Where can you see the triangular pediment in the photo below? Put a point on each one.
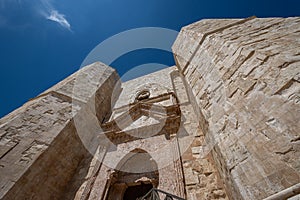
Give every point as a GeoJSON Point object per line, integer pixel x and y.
{"type": "Point", "coordinates": [144, 116]}
{"type": "Point", "coordinates": [143, 120]}
{"type": "Point", "coordinates": [147, 112]}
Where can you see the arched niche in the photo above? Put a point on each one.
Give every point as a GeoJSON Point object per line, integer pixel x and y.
{"type": "Point", "coordinates": [134, 176]}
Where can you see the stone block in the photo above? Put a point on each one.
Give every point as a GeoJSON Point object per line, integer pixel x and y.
{"type": "Point", "coordinates": [190, 177]}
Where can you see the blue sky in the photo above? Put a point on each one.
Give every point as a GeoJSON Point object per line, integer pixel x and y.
{"type": "Point", "coordinates": [44, 41]}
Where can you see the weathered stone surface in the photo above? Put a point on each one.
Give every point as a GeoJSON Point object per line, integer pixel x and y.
{"type": "Point", "coordinates": [165, 152]}
{"type": "Point", "coordinates": [244, 76]}
{"type": "Point", "coordinates": [226, 115]}
{"type": "Point", "coordinates": [40, 146]}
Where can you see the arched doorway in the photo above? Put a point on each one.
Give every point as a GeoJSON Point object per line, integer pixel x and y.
{"type": "Point", "coordinates": [134, 192]}
{"type": "Point", "coordinates": [135, 175]}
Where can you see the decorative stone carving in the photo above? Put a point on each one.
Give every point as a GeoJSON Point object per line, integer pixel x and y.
{"type": "Point", "coordinates": [225, 117]}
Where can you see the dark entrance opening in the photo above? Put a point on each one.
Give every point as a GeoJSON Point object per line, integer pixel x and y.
{"type": "Point", "coordinates": [134, 192]}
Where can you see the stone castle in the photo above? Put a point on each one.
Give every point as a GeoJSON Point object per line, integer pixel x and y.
{"type": "Point", "coordinates": [221, 124]}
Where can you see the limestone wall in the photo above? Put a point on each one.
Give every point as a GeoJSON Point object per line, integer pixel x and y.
{"type": "Point", "coordinates": [201, 179]}
{"type": "Point", "coordinates": [237, 84]}
{"type": "Point", "coordinates": [244, 76]}
{"type": "Point", "coordinates": [40, 143]}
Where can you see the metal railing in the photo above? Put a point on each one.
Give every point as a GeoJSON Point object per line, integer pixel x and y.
{"type": "Point", "coordinates": [153, 194]}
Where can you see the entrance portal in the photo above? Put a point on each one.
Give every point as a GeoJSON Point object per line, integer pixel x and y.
{"type": "Point", "coordinates": [134, 192]}
{"type": "Point", "coordinates": [135, 175]}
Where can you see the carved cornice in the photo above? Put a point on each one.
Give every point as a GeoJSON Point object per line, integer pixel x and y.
{"type": "Point", "coordinates": [169, 116]}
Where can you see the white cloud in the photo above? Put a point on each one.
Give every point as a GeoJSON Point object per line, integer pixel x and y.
{"type": "Point", "coordinates": [59, 18]}
{"type": "Point", "coordinates": [43, 7]}
{"type": "Point", "coordinates": [50, 13]}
